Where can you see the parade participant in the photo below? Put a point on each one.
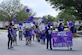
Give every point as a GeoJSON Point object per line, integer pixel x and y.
{"type": "Point", "coordinates": [42, 37]}
{"type": "Point", "coordinates": [27, 36]}
{"type": "Point", "coordinates": [48, 35]}
{"type": "Point", "coordinates": [33, 34]}
{"type": "Point", "coordinates": [33, 28]}
{"type": "Point", "coordinates": [28, 32]}
{"type": "Point", "coordinates": [20, 28]}
{"type": "Point", "coordinates": [72, 28]}
{"type": "Point", "coordinates": [15, 36]}
{"type": "Point", "coordinates": [10, 35]}
{"type": "Point", "coordinates": [24, 29]}
{"type": "Point", "coordinates": [60, 27]}
{"type": "Point", "coordinates": [37, 33]}
{"type": "Point", "coordinates": [30, 35]}
{"type": "Point", "coordinates": [42, 28]}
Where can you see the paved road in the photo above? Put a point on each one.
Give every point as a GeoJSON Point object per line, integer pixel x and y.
{"type": "Point", "coordinates": [36, 48]}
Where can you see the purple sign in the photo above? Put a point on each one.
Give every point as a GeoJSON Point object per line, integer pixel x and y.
{"type": "Point", "coordinates": [62, 39]}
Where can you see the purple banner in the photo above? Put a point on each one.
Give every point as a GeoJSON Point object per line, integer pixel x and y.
{"type": "Point", "coordinates": [62, 39]}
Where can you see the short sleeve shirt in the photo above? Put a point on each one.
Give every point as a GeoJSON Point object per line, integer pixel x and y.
{"type": "Point", "coordinates": [9, 30]}
{"type": "Point", "coordinates": [61, 28]}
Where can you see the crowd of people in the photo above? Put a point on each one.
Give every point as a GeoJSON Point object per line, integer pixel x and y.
{"type": "Point", "coordinates": [31, 31]}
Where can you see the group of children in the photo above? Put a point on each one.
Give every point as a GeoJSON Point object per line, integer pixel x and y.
{"type": "Point", "coordinates": [39, 31]}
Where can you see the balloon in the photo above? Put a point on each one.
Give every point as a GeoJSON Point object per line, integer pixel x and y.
{"type": "Point", "coordinates": [35, 31]}
{"type": "Point", "coordinates": [34, 22]}
{"type": "Point", "coordinates": [14, 20]}
{"type": "Point", "coordinates": [42, 21]}
{"type": "Point", "coordinates": [70, 23]}
{"type": "Point", "coordinates": [46, 28]}
{"type": "Point", "coordinates": [49, 23]}
{"type": "Point", "coordinates": [60, 20]}
{"type": "Point", "coordinates": [20, 23]}
{"type": "Point", "coordinates": [27, 10]}
{"type": "Point", "coordinates": [31, 18]}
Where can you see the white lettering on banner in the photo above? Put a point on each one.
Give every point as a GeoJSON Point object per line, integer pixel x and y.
{"type": "Point", "coordinates": [60, 44]}
{"type": "Point", "coordinates": [63, 33]}
{"type": "Point", "coordinates": [55, 39]}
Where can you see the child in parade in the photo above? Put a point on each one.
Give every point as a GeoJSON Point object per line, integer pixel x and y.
{"type": "Point", "coordinates": [20, 28]}
{"type": "Point", "coordinates": [15, 36]}
{"type": "Point", "coordinates": [10, 35]}
{"type": "Point", "coordinates": [48, 36]}
{"type": "Point", "coordinates": [37, 34]}
{"type": "Point", "coordinates": [28, 36]}
{"type": "Point", "coordinates": [33, 34]}
{"type": "Point", "coordinates": [42, 37]}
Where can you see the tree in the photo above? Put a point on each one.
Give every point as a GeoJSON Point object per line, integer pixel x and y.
{"type": "Point", "coordinates": [23, 15]}
{"type": "Point", "coordinates": [74, 5]}
{"type": "Point", "coordinates": [48, 18]}
{"type": "Point", "coordinates": [66, 16]}
{"type": "Point", "coordinates": [10, 8]}
{"type": "Point", "coordinates": [13, 9]}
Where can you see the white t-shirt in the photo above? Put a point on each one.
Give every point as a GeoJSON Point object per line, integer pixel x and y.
{"type": "Point", "coordinates": [27, 25]}
{"type": "Point", "coordinates": [50, 31]}
{"type": "Point", "coordinates": [20, 28]}
{"type": "Point", "coordinates": [42, 27]}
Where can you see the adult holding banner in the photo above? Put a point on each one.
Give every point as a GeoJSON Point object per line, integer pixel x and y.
{"type": "Point", "coordinates": [62, 38]}
{"type": "Point", "coordinates": [61, 27]}
{"type": "Point", "coordinates": [48, 35]}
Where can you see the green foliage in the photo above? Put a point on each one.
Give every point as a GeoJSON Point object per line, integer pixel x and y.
{"type": "Point", "coordinates": [48, 18]}
{"type": "Point", "coordinates": [66, 16]}
{"type": "Point", "coordinates": [11, 9]}
{"type": "Point", "coordinates": [23, 15]}
{"type": "Point", "coordinates": [74, 5]}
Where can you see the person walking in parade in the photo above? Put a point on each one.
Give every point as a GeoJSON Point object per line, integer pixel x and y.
{"type": "Point", "coordinates": [10, 36]}
{"type": "Point", "coordinates": [15, 36]}
{"type": "Point", "coordinates": [33, 34]}
{"type": "Point", "coordinates": [42, 37]}
{"type": "Point", "coordinates": [37, 33]}
{"type": "Point", "coordinates": [72, 28]}
{"type": "Point", "coordinates": [48, 35]}
{"type": "Point", "coordinates": [20, 28]}
{"type": "Point", "coordinates": [27, 36]}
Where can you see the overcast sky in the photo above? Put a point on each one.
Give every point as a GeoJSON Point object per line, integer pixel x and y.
{"type": "Point", "coordinates": [40, 7]}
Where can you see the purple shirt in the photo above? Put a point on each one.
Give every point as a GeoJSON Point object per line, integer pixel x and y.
{"type": "Point", "coordinates": [9, 30]}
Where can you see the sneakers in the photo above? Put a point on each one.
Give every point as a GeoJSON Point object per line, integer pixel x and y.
{"type": "Point", "coordinates": [11, 47]}
{"type": "Point", "coordinates": [8, 48]}
{"type": "Point", "coordinates": [27, 43]}
{"type": "Point", "coordinates": [50, 48]}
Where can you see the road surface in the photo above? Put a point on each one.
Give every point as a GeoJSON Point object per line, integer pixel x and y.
{"type": "Point", "coordinates": [36, 48]}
